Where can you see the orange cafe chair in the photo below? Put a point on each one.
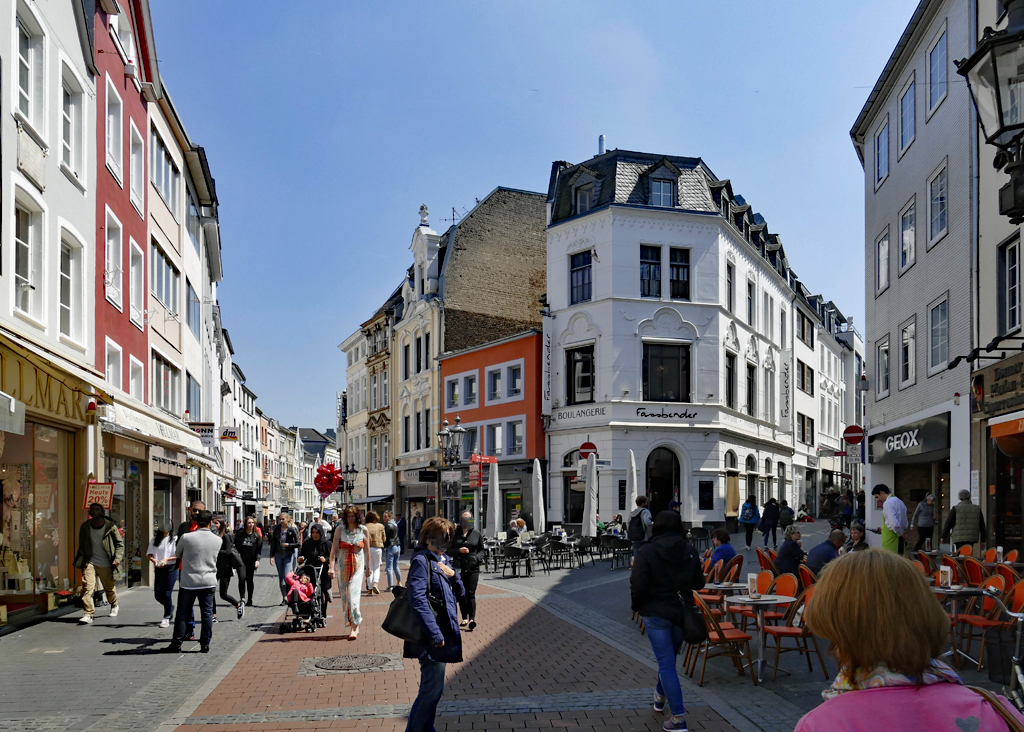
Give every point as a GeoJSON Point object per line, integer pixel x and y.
{"type": "Point", "coordinates": [1011, 556]}
{"type": "Point", "coordinates": [975, 571]}
{"type": "Point", "coordinates": [990, 556]}
{"type": "Point", "coordinates": [966, 550]}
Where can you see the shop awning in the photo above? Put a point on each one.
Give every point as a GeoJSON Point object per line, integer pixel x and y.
{"type": "Point", "coordinates": [374, 499]}
{"type": "Point", "coordinates": [148, 425]}
{"type": "Point", "coordinates": [1008, 432]}
{"type": "Point", "coordinates": [207, 463]}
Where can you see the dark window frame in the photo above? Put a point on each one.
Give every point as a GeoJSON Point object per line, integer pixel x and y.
{"type": "Point", "coordinates": [650, 271]}
{"type": "Point", "coordinates": [679, 273]}
{"type": "Point", "coordinates": [655, 354]}
{"type": "Point", "coordinates": [584, 355]}
{"type": "Point", "coordinates": [580, 280]}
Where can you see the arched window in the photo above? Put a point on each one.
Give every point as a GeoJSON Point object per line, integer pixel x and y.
{"type": "Point", "coordinates": [662, 473]}
{"type": "Point", "coordinates": [730, 460]}
{"type": "Point", "coordinates": [751, 464]}
{"type": "Point", "coordinates": [767, 466]}
{"type": "Point", "coordinates": [570, 459]}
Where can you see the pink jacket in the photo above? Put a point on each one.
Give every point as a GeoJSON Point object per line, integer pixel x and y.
{"type": "Point", "coordinates": [936, 708]}
{"type": "Point", "coordinates": [305, 591]}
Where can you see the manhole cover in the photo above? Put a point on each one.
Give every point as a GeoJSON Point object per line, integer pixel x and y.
{"type": "Point", "coordinates": [353, 663]}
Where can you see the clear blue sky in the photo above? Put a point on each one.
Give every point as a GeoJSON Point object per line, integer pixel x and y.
{"type": "Point", "coordinates": [327, 124]}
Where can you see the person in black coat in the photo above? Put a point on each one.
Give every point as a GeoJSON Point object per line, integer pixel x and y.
{"type": "Point", "coordinates": [316, 552]}
{"type": "Point", "coordinates": [467, 552]}
{"type": "Point", "coordinates": [665, 574]}
{"type": "Point", "coordinates": [402, 533]}
{"type": "Point", "coordinates": [770, 522]}
{"type": "Point", "coordinates": [249, 544]}
{"type": "Point", "coordinates": [226, 566]}
{"type": "Point", "coordinates": [790, 555]}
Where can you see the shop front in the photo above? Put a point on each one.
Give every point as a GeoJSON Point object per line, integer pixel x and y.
{"type": "Point", "coordinates": [42, 477]}
{"type": "Point", "coordinates": [124, 462]}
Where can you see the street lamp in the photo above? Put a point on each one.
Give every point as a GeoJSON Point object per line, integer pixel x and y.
{"type": "Point", "coordinates": [995, 79]}
{"type": "Point", "coordinates": [450, 439]}
{"type": "Point", "coordinates": [350, 473]}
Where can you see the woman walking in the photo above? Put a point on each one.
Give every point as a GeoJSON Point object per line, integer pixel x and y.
{"type": "Point", "coordinates": [466, 552]}
{"type": "Point", "coordinates": [350, 560]}
{"type": "Point", "coordinates": [161, 554]}
{"type": "Point", "coordinates": [749, 517]}
{"type": "Point", "coordinates": [444, 588]}
{"type": "Point", "coordinates": [284, 543]}
{"type": "Point", "coordinates": [392, 551]}
{"type": "Point", "coordinates": [924, 520]}
{"type": "Point", "coordinates": [770, 522]}
{"type": "Point", "coordinates": [314, 553]}
{"type": "Point", "coordinates": [376, 535]}
{"type": "Point", "coordinates": [665, 574]}
{"type": "Point", "coordinates": [249, 544]}
{"type": "Point", "coordinates": [226, 562]}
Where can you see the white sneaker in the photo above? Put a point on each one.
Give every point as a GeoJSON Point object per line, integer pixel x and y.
{"type": "Point", "coordinates": [85, 620]}
{"type": "Point", "coordinates": [165, 623]}
{"type": "Point", "coordinates": [113, 612]}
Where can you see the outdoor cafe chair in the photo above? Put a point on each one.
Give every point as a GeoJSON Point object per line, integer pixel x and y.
{"type": "Point", "coordinates": [798, 632]}
{"type": "Point", "coordinates": [733, 643]}
{"type": "Point", "coordinates": [807, 577]}
{"type": "Point", "coordinates": [561, 553]}
{"type": "Point", "coordinates": [762, 557]}
{"type": "Point", "coordinates": [700, 537]}
{"type": "Point", "coordinates": [919, 566]}
{"type": "Point", "coordinates": [772, 554]}
{"type": "Point", "coordinates": [784, 585]}
{"type": "Point", "coordinates": [1011, 556]}
{"type": "Point", "coordinates": [975, 571]}
{"type": "Point", "coordinates": [622, 551]}
{"type": "Point", "coordinates": [584, 549]}
{"type": "Point", "coordinates": [948, 561]}
{"type": "Point", "coordinates": [513, 556]}
{"type": "Point", "coordinates": [929, 565]}
{"type": "Point", "coordinates": [707, 554]}
{"type": "Point", "coordinates": [605, 545]}
{"type": "Point", "coordinates": [1008, 573]}
{"type": "Point", "coordinates": [990, 556]}
{"type": "Point", "coordinates": [987, 618]}
{"type": "Point", "coordinates": [733, 568]}
{"type": "Point", "coordinates": [966, 550]}
{"type": "Point", "coordinates": [542, 552]}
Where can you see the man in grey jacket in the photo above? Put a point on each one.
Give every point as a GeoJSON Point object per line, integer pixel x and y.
{"type": "Point", "coordinates": [197, 552]}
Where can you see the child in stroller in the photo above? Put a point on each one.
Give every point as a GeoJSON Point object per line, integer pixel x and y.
{"type": "Point", "coordinates": [304, 601]}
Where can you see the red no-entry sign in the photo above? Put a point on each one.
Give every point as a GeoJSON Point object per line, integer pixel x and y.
{"type": "Point", "coordinates": [854, 434]}
{"type": "Point", "coordinates": [587, 449]}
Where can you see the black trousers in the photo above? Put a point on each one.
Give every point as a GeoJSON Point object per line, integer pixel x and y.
{"type": "Point", "coordinates": [775, 536]}
{"type": "Point", "coordinates": [247, 581]}
{"type": "Point", "coordinates": [749, 528]}
{"type": "Point", "coordinates": [467, 603]}
{"type": "Point", "coordinates": [225, 584]}
{"type": "Point", "coordinates": [923, 533]}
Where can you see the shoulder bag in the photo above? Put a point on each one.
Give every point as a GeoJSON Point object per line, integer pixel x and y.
{"type": "Point", "coordinates": [999, 708]}
{"type": "Point", "coordinates": [402, 620]}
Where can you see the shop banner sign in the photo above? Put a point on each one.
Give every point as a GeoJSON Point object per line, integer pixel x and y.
{"type": "Point", "coordinates": [916, 438]}
{"type": "Point", "coordinates": [998, 389]}
{"type": "Point", "coordinates": [476, 479]}
{"type": "Point", "coordinates": [101, 493]}
{"type": "Point", "coordinates": [229, 434]}
{"type": "Point", "coordinates": [786, 391]}
{"type": "Point", "coordinates": [207, 432]}
{"type": "Point", "coordinates": [451, 483]}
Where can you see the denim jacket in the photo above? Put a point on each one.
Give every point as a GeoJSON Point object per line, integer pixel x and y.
{"type": "Point", "coordinates": [446, 626]}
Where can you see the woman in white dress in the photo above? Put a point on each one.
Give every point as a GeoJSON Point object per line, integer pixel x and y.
{"type": "Point", "coordinates": [350, 561]}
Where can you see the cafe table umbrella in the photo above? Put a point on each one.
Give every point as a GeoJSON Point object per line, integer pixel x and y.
{"type": "Point", "coordinates": [590, 498]}
{"type": "Point", "coordinates": [539, 519]}
{"type": "Point", "coordinates": [631, 482]}
{"type": "Point", "coordinates": [493, 502]}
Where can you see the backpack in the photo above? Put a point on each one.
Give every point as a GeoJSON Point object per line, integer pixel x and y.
{"type": "Point", "coordinates": [635, 531]}
{"type": "Point", "coordinates": [786, 517]}
{"type": "Point", "coordinates": [748, 513]}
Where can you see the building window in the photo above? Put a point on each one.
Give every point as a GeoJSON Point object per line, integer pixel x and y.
{"type": "Point", "coordinates": [165, 279]}
{"type": "Point", "coordinates": [804, 429]}
{"type": "Point", "coordinates": [650, 271]}
{"type": "Point", "coordinates": [384, 452]}
{"type": "Point", "coordinates": [1009, 286]}
{"type": "Point", "coordinates": [804, 377]}
{"type": "Point", "coordinates": [908, 237]}
{"type": "Point", "coordinates": [679, 273]}
{"type": "Point", "coordinates": [579, 366]}
{"type": "Point", "coordinates": [937, 72]}
{"type": "Point", "coordinates": [113, 361]}
{"type": "Point", "coordinates": [666, 373]}
{"type": "Point", "coordinates": [584, 198]}
{"type": "Point", "coordinates": [493, 385]}
{"type": "Point", "coordinates": [115, 131]}
{"type": "Point", "coordinates": [426, 351]}
{"type": "Point", "coordinates": [661, 193]}
{"type": "Point", "coordinates": [30, 71]}
{"type": "Point", "coordinates": [193, 315]}
{"type": "Point", "coordinates": [782, 327]}
{"type": "Point", "coordinates": [515, 438]}
{"type": "Point", "coordinates": [193, 222]}
{"type": "Point", "coordinates": [136, 284]}
{"type": "Point", "coordinates": [882, 154]}
{"type": "Point", "coordinates": [453, 393]}
{"type": "Point", "coordinates": [67, 289]}
{"type": "Point", "coordinates": [405, 362]}
{"type": "Point", "coordinates": [751, 390]}
{"type": "Point", "coordinates": [907, 121]}
{"type": "Point", "coordinates": [163, 172]}
{"type": "Point", "coordinates": [908, 354]}
{"type": "Point", "coordinates": [193, 399]}
{"type": "Point", "coordinates": [730, 381]}
{"type": "Point", "coordinates": [937, 206]}
{"type": "Point", "coordinates": [882, 262]}
{"type": "Point", "coordinates": [494, 443]}
{"type": "Point", "coordinates": [730, 288]}
{"type": "Point", "coordinates": [515, 380]}
{"type": "Point", "coordinates": [71, 125]}
{"type": "Point", "coordinates": [804, 329]}
{"type": "Point", "coordinates": [938, 336]}
{"type": "Point", "coordinates": [469, 389]}
{"type": "Point", "coordinates": [419, 430]}
{"type": "Point", "coordinates": [406, 435]}
{"type": "Point", "coordinates": [769, 396]}
{"type": "Point", "coordinates": [579, 275]}
{"type": "Point", "coordinates": [137, 184]}
{"type": "Point", "coordinates": [136, 379]}
{"type": "Point", "coordinates": [384, 400]}
{"type": "Point", "coordinates": [751, 304]}
{"type": "Point", "coordinates": [419, 354]}
{"type": "Point", "coordinates": [471, 442]}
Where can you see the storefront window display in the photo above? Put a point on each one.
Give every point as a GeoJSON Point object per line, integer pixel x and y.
{"type": "Point", "coordinates": [35, 478]}
{"type": "Point", "coordinates": [1007, 518]}
{"type": "Point", "coordinates": [126, 512]}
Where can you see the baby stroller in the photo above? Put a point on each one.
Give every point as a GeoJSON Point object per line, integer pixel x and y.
{"type": "Point", "coordinates": [305, 615]}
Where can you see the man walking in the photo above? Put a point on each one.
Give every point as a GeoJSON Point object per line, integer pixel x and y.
{"type": "Point", "coordinates": [640, 525]}
{"type": "Point", "coordinates": [965, 524]}
{"type": "Point", "coordinates": [895, 527]}
{"type": "Point", "coordinates": [197, 551]}
{"type": "Point", "coordinates": [99, 556]}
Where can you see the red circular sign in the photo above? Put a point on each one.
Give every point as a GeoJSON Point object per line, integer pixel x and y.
{"type": "Point", "coordinates": [230, 492]}
{"type": "Point", "coordinates": [587, 449]}
{"type": "Point", "coordinates": [854, 434]}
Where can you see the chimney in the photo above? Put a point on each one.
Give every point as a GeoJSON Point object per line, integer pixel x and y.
{"type": "Point", "coordinates": [600, 144]}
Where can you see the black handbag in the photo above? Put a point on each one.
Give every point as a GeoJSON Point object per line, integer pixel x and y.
{"type": "Point", "coordinates": [402, 620]}
{"type": "Point", "coordinates": [695, 630]}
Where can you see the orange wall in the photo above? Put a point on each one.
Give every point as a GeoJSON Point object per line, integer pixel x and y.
{"type": "Point", "coordinates": [527, 348]}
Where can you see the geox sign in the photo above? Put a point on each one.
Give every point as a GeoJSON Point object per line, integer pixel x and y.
{"type": "Point", "coordinates": [918, 438]}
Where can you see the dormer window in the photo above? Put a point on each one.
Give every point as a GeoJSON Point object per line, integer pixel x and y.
{"type": "Point", "coordinates": [661, 193]}
{"type": "Point", "coordinates": [723, 204]}
{"type": "Point", "coordinates": [584, 198]}
{"type": "Point", "coordinates": [746, 229]}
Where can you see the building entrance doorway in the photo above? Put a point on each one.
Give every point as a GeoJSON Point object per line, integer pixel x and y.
{"type": "Point", "coordinates": [662, 479]}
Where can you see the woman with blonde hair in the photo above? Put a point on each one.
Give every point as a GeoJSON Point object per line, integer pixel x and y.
{"type": "Point", "coordinates": [375, 534]}
{"type": "Point", "coordinates": [350, 558]}
{"type": "Point", "coordinates": [887, 631]}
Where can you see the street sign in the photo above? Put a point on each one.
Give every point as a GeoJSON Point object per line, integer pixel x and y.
{"type": "Point", "coordinates": [853, 452]}
{"type": "Point", "coordinates": [207, 432]}
{"type": "Point", "coordinates": [586, 449]}
{"type": "Point", "coordinates": [581, 465]}
{"type": "Point", "coordinates": [854, 434]}
{"type": "Point", "coordinates": [476, 475]}
{"type": "Point", "coordinates": [230, 491]}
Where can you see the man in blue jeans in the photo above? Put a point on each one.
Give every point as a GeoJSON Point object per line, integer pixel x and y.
{"type": "Point", "coordinates": [197, 551]}
{"type": "Point", "coordinates": [284, 546]}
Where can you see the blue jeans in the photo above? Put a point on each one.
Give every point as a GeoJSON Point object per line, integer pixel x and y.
{"type": "Point", "coordinates": [391, 555]}
{"type": "Point", "coordinates": [666, 640]}
{"type": "Point", "coordinates": [164, 579]}
{"type": "Point", "coordinates": [285, 563]}
{"type": "Point", "coordinates": [421, 716]}
{"type": "Point", "coordinates": [186, 599]}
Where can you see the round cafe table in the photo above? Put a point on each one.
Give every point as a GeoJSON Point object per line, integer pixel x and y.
{"type": "Point", "coordinates": [759, 604]}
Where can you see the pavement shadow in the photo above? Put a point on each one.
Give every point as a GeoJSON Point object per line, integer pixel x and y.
{"type": "Point", "coordinates": [142, 646]}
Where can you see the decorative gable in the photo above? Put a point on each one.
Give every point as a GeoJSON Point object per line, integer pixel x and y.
{"type": "Point", "coordinates": [732, 341]}
{"type": "Point", "coordinates": [667, 323]}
